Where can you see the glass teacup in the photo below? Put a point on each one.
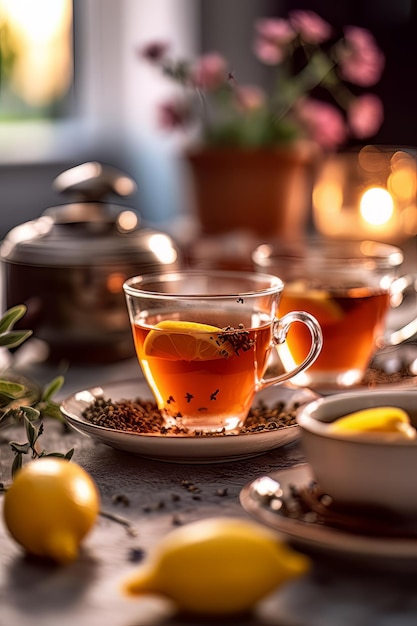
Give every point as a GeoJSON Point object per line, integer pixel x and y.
{"type": "Point", "coordinates": [350, 287]}
{"type": "Point", "coordinates": [204, 341]}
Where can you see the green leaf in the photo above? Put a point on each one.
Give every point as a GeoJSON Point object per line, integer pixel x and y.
{"type": "Point", "coordinates": [51, 410]}
{"type": "Point", "coordinates": [59, 455]}
{"type": "Point", "coordinates": [31, 432]}
{"type": "Point", "coordinates": [11, 316]}
{"type": "Point", "coordinates": [12, 339]}
{"type": "Point", "coordinates": [30, 413]}
{"type": "Point", "coordinates": [52, 388]}
{"type": "Point", "coordinates": [19, 448]}
{"type": "Point", "coordinates": [17, 464]}
{"type": "Point", "coordinates": [11, 390]}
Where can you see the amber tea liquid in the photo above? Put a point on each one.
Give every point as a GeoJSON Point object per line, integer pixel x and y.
{"type": "Point", "coordinates": [351, 319]}
{"type": "Point", "coordinates": [209, 390]}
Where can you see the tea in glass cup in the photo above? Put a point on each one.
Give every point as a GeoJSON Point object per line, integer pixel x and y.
{"type": "Point", "coordinates": [349, 287]}
{"type": "Point", "coordinates": [204, 340]}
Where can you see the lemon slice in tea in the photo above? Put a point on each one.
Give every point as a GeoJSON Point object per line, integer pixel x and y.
{"type": "Point", "coordinates": [188, 341]}
{"type": "Point", "coordinates": [317, 302]}
{"type": "Point", "coordinates": [382, 419]}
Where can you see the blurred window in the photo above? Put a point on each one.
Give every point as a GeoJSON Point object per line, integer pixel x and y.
{"type": "Point", "coordinates": [36, 59]}
{"type": "Point", "coordinates": [70, 79]}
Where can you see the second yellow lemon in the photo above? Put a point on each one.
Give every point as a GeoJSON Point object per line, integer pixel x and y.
{"type": "Point", "coordinates": [217, 566]}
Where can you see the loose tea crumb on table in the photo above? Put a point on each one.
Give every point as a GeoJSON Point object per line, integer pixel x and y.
{"type": "Point", "coordinates": [136, 555]}
{"type": "Point", "coordinates": [120, 498]}
{"type": "Point", "coordinates": [144, 417]}
{"type": "Point", "coordinates": [189, 486]}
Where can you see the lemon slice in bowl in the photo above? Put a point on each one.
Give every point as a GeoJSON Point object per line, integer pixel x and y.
{"type": "Point", "coordinates": [188, 341]}
{"type": "Point", "coordinates": [381, 419]}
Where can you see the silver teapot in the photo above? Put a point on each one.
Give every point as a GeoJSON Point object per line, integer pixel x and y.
{"type": "Point", "coordinates": [68, 266]}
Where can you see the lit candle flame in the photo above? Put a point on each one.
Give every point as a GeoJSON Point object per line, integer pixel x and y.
{"type": "Point", "coordinates": [376, 206]}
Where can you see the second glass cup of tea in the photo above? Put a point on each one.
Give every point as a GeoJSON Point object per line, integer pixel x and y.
{"type": "Point", "coordinates": [350, 287]}
{"type": "Point", "coordinates": [204, 339]}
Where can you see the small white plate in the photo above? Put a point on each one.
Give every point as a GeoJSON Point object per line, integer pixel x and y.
{"type": "Point", "coordinates": [317, 536]}
{"type": "Point", "coordinates": [386, 371]}
{"type": "Point", "coordinates": [180, 448]}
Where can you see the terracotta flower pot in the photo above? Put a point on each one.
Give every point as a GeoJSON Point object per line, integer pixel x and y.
{"type": "Point", "coordinates": [265, 191]}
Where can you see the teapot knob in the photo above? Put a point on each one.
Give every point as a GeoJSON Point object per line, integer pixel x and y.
{"type": "Point", "coordinates": [92, 181]}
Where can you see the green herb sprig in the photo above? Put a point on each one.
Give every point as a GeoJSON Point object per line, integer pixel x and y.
{"type": "Point", "coordinates": [43, 407]}
{"type": "Point", "coordinates": [21, 400]}
{"type": "Point", "coordinates": [14, 389]}
{"type": "Point", "coordinates": [31, 446]}
{"type": "Point", "coordinates": [10, 338]}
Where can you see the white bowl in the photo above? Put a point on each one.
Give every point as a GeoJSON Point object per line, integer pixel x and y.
{"type": "Point", "coordinates": [361, 471]}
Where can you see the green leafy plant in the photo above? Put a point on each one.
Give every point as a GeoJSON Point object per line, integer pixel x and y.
{"type": "Point", "coordinates": [31, 446]}
{"type": "Point", "coordinates": [12, 393]}
{"type": "Point", "coordinates": [23, 401]}
{"type": "Point", "coordinates": [19, 397]}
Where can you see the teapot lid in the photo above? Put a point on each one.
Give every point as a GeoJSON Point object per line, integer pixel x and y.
{"type": "Point", "coordinates": [89, 231]}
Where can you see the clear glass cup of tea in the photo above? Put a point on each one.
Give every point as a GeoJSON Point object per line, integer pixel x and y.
{"type": "Point", "coordinates": [204, 340]}
{"type": "Point", "coordinates": [350, 287]}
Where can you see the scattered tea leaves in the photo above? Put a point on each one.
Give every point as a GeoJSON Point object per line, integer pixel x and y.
{"type": "Point", "coordinates": [143, 417]}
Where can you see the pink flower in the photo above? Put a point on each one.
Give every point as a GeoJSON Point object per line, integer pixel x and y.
{"type": "Point", "coordinates": [272, 38]}
{"type": "Point", "coordinates": [324, 123]}
{"type": "Point", "coordinates": [365, 115]}
{"type": "Point", "coordinates": [310, 26]}
{"type": "Point", "coordinates": [361, 61]}
{"type": "Point", "coordinates": [175, 114]}
{"type": "Point", "coordinates": [307, 58]}
{"type": "Point", "coordinates": [276, 30]}
{"type": "Point", "coordinates": [210, 72]}
{"type": "Point", "coordinates": [250, 97]}
{"type": "Point", "coordinates": [154, 51]}
{"type": "Point", "coordinates": [267, 52]}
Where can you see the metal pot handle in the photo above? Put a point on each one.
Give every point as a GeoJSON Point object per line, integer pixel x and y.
{"type": "Point", "coordinates": [92, 181]}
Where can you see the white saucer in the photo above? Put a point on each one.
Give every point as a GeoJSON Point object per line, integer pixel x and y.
{"type": "Point", "coordinates": [180, 448]}
{"type": "Point", "coordinates": [389, 362]}
{"type": "Point", "coordinates": [319, 537]}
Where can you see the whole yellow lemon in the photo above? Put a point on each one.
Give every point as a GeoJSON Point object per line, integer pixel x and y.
{"type": "Point", "coordinates": [50, 507]}
{"type": "Point", "coordinates": [217, 566]}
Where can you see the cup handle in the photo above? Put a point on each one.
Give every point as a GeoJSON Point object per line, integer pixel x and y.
{"type": "Point", "coordinates": [398, 288]}
{"type": "Point", "coordinates": [281, 328]}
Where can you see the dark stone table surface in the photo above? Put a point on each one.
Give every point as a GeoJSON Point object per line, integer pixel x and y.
{"type": "Point", "coordinates": [87, 592]}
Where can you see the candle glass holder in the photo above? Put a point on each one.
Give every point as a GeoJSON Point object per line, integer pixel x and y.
{"type": "Point", "coordinates": [367, 193]}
